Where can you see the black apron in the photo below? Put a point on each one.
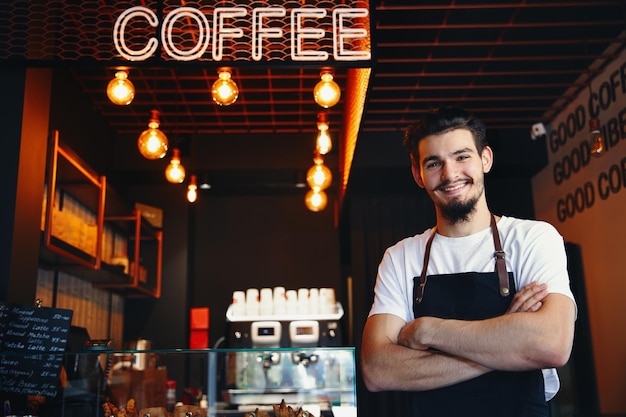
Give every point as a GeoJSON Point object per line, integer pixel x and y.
{"type": "Point", "coordinates": [475, 296]}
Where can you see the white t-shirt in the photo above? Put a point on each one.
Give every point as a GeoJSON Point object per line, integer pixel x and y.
{"type": "Point", "coordinates": [534, 251]}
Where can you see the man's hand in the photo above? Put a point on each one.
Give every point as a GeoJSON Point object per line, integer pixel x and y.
{"type": "Point", "coordinates": [528, 299]}
{"type": "Point", "coordinates": [410, 334]}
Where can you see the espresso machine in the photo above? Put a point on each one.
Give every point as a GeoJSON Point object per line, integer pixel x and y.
{"type": "Point", "coordinates": [291, 352]}
{"type": "Point", "coordinates": [284, 318]}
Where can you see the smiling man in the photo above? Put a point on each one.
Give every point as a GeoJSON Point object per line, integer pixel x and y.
{"type": "Point", "coordinates": [474, 314]}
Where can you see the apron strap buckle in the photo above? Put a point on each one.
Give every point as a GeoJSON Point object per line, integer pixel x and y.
{"type": "Point", "coordinates": [503, 276]}
{"type": "Point", "coordinates": [420, 291]}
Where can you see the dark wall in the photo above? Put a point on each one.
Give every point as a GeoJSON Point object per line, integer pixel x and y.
{"type": "Point", "coordinates": [164, 320]}
{"type": "Point", "coordinates": [245, 242]}
{"type": "Point", "coordinates": [79, 124]}
{"type": "Point", "coordinates": [11, 117]}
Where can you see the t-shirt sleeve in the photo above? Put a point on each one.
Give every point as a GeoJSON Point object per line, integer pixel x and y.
{"type": "Point", "coordinates": [390, 291]}
{"type": "Point", "coordinates": [544, 259]}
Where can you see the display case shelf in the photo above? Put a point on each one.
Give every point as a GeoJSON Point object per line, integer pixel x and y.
{"type": "Point", "coordinates": [76, 242]}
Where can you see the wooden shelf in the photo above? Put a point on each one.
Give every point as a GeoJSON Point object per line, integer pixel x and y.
{"type": "Point", "coordinates": [68, 175]}
{"type": "Point", "coordinates": [147, 245]}
{"type": "Point", "coordinates": [59, 254]}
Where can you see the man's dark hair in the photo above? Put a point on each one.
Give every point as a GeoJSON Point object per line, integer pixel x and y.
{"type": "Point", "coordinates": [440, 121]}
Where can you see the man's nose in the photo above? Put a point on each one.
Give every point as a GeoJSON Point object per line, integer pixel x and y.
{"type": "Point", "coordinates": [447, 172]}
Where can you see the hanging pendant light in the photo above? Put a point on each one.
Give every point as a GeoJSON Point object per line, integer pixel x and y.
{"type": "Point", "coordinates": [597, 141]}
{"type": "Point", "coordinates": [323, 143]}
{"type": "Point", "coordinates": [316, 200]}
{"type": "Point", "coordinates": [224, 91]}
{"type": "Point", "coordinates": [319, 176]}
{"type": "Point", "coordinates": [192, 189]}
{"type": "Point", "coordinates": [152, 142]}
{"type": "Point", "coordinates": [120, 90]}
{"type": "Point", "coordinates": [175, 172]}
{"type": "Point", "coordinates": [205, 184]}
{"type": "Point", "coordinates": [326, 92]}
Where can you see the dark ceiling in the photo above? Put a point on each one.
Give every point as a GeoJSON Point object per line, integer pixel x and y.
{"type": "Point", "coordinates": [513, 63]}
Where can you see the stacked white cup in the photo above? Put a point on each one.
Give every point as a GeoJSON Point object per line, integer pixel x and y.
{"type": "Point", "coordinates": [252, 302]}
{"type": "Point", "coordinates": [292, 302]}
{"type": "Point", "coordinates": [280, 301]}
{"type": "Point", "coordinates": [303, 301]}
{"type": "Point", "coordinates": [314, 300]}
{"type": "Point", "coordinates": [267, 302]}
{"type": "Point", "coordinates": [328, 303]}
{"type": "Point", "coordinates": [239, 303]}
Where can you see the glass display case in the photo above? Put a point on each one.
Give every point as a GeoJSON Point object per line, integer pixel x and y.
{"type": "Point", "coordinates": [179, 382]}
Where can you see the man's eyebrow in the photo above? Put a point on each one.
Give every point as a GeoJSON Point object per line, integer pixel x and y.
{"type": "Point", "coordinates": [460, 151]}
{"type": "Point", "coordinates": [437, 158]}
{"type": "Point", "coordinates": [430, 158]}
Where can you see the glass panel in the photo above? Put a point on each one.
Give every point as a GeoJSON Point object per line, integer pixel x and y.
{"type": "Point", "coordinates": [203, 382]}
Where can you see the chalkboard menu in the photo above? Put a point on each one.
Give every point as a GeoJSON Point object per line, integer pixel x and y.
{"type": "Point", "coordinates": [32, 340]}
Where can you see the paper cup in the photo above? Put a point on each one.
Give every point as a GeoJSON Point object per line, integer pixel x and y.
{"type": "Point", "coordinates": [328, 303]}
{"type": "Point", "coordinates": [252, 302]}
{"type": "Point", "coordinates": [239, 303]}
{"type": "Point", "coordinates": [267, 301]}
{"type": "Point", "coordinates": [280, 301]}
{"type": "Point", "coordinates": [303, 301]}
{"type": "Point", "coordinates": [314, 300]}
{"type": "Point", "coordinates": [292, 301]}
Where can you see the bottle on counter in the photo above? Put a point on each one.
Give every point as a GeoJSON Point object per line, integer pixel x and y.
{"type": "Point", "coordinates": [170, 395]}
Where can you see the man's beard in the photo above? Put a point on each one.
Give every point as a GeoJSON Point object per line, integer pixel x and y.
{"type": "Point", "coordinates": [459, 211]}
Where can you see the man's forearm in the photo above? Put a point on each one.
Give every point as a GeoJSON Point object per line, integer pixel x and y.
{"type": "Point", "coordinates": [511, 342]}
{"type": "Point", "coordinates": [400, 368]}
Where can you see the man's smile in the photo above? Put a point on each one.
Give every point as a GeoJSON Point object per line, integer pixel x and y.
{"type": "Point", "coordinates": [448, 188]}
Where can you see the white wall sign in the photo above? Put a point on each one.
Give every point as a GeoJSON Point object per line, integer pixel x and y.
{"type": "Point", "coordinates": [584, 197]}
{"type": "Point", "coordinates": [579, 180]}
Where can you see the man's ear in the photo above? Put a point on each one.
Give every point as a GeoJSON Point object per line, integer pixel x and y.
{"type": "Point", "coordinates": [415, 170]}
{"type": "Point", "coordinates": [487, 158]}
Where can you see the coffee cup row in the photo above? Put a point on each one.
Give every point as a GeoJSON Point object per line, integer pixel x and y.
{"type": "Point", "coordinates": [281, 301]}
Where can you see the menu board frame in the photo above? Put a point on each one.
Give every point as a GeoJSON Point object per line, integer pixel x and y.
{"type": "Point", "coordinates": [32, 342]}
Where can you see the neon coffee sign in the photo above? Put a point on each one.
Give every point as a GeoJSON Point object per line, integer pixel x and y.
{"type": "Point", "coordinates": [350, 36]}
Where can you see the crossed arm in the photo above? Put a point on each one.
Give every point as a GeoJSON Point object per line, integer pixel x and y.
{"type": "Point", "coordinates": [428, 352]}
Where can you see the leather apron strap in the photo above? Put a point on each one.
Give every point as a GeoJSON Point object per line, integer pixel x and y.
{"type": "Point", "coordinates": [423, 277]}
{"type": "Point", "coordinates": [503, 276]}
{"type": "Point", "coordinates": [500, 268]}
